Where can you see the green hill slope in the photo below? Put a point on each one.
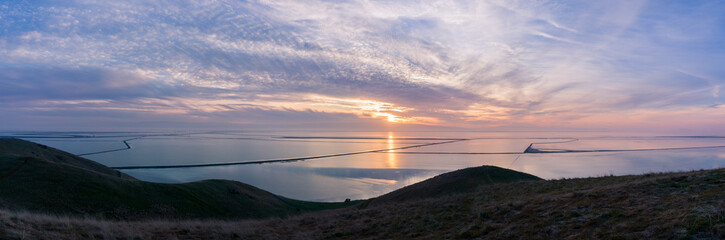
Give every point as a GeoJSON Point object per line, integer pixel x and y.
{"type": "Point", "coordinates": [42, 179]}
{"type": "Point", "coordinates": [478, 203]}
{"type": "Point", "coordinates": [688, 205]}
{"type": "Point", "coordinates": [16, 148]}
{"type": "Point", "coordinates": [460, 181]}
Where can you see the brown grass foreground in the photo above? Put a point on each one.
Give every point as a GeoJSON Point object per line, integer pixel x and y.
{"type": "Point", "coordinates": [688, 205]}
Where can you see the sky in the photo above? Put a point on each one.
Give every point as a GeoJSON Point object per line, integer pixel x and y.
{"type": "Point", "coordinates": [363, 65]}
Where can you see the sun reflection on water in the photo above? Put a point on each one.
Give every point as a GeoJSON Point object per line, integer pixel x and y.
{"type": "Point", "coordinates": [392, 161]}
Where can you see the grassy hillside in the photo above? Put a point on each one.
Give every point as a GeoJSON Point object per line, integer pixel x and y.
{"type": "Point", "coordinates": [11, 148]}
{"type": "Point", "coordinates": [490, 203]}
{"type": "Point", "coordinates": [42, 179]}
{"type": "Point", "coordinates": [687, 205]}
{"type": "Point", "coordinates": [461, 181]}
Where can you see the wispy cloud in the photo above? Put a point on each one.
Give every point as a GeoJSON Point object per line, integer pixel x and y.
{"type": "Point", "coordinates": [453, 63]}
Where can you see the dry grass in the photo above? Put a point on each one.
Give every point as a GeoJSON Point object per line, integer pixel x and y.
{"type": "Point", "coordinates": [25, 225]}
{"type": "Point", "coordinates": [686, 205]}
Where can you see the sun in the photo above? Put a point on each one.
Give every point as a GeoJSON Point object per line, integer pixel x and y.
{"type": "Point", "coordinates": [388, 117]}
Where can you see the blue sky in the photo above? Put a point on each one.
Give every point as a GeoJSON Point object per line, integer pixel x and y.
{"type": "Point", "coordinates": [485, 65]}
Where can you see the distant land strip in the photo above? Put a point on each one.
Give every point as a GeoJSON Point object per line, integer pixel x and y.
{"type": "Point", "coordinates": [283, 159]}
{"type": "Point", "coordinates": [463, 153]}
{"type": "Point", "coordinates": [531, 150]}
{"type": "Point", "coordinates": [618, 150]}
{"type": "Point", "coordinates": [375, 138]}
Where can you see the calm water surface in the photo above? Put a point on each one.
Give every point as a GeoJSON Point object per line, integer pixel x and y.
{"type": "Point", "coordinates": [384, 166]}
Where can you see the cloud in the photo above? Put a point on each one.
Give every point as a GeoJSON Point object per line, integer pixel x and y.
{"type": "Point", "coordinates": [39, 83]}
{"type": "Point", "coordinates": [460, 63]}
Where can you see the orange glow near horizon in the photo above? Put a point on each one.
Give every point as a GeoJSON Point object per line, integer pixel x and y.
{"type": "Point", "coordinates": [388, 117]}
{"type": "Point", "coordinates": [362, 108]}
{"type": "Point", "coordinates": [477, 116]}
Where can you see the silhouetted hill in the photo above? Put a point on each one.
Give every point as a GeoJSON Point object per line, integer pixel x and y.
{"type": "Point", "coordinates": [16, 148]}
{"type": "Point", "coordinates": [460, 181]}
{"type": "Point", "coordinates": [481, 203]}
{"type": "Point", "coordinates": [43, 179]}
